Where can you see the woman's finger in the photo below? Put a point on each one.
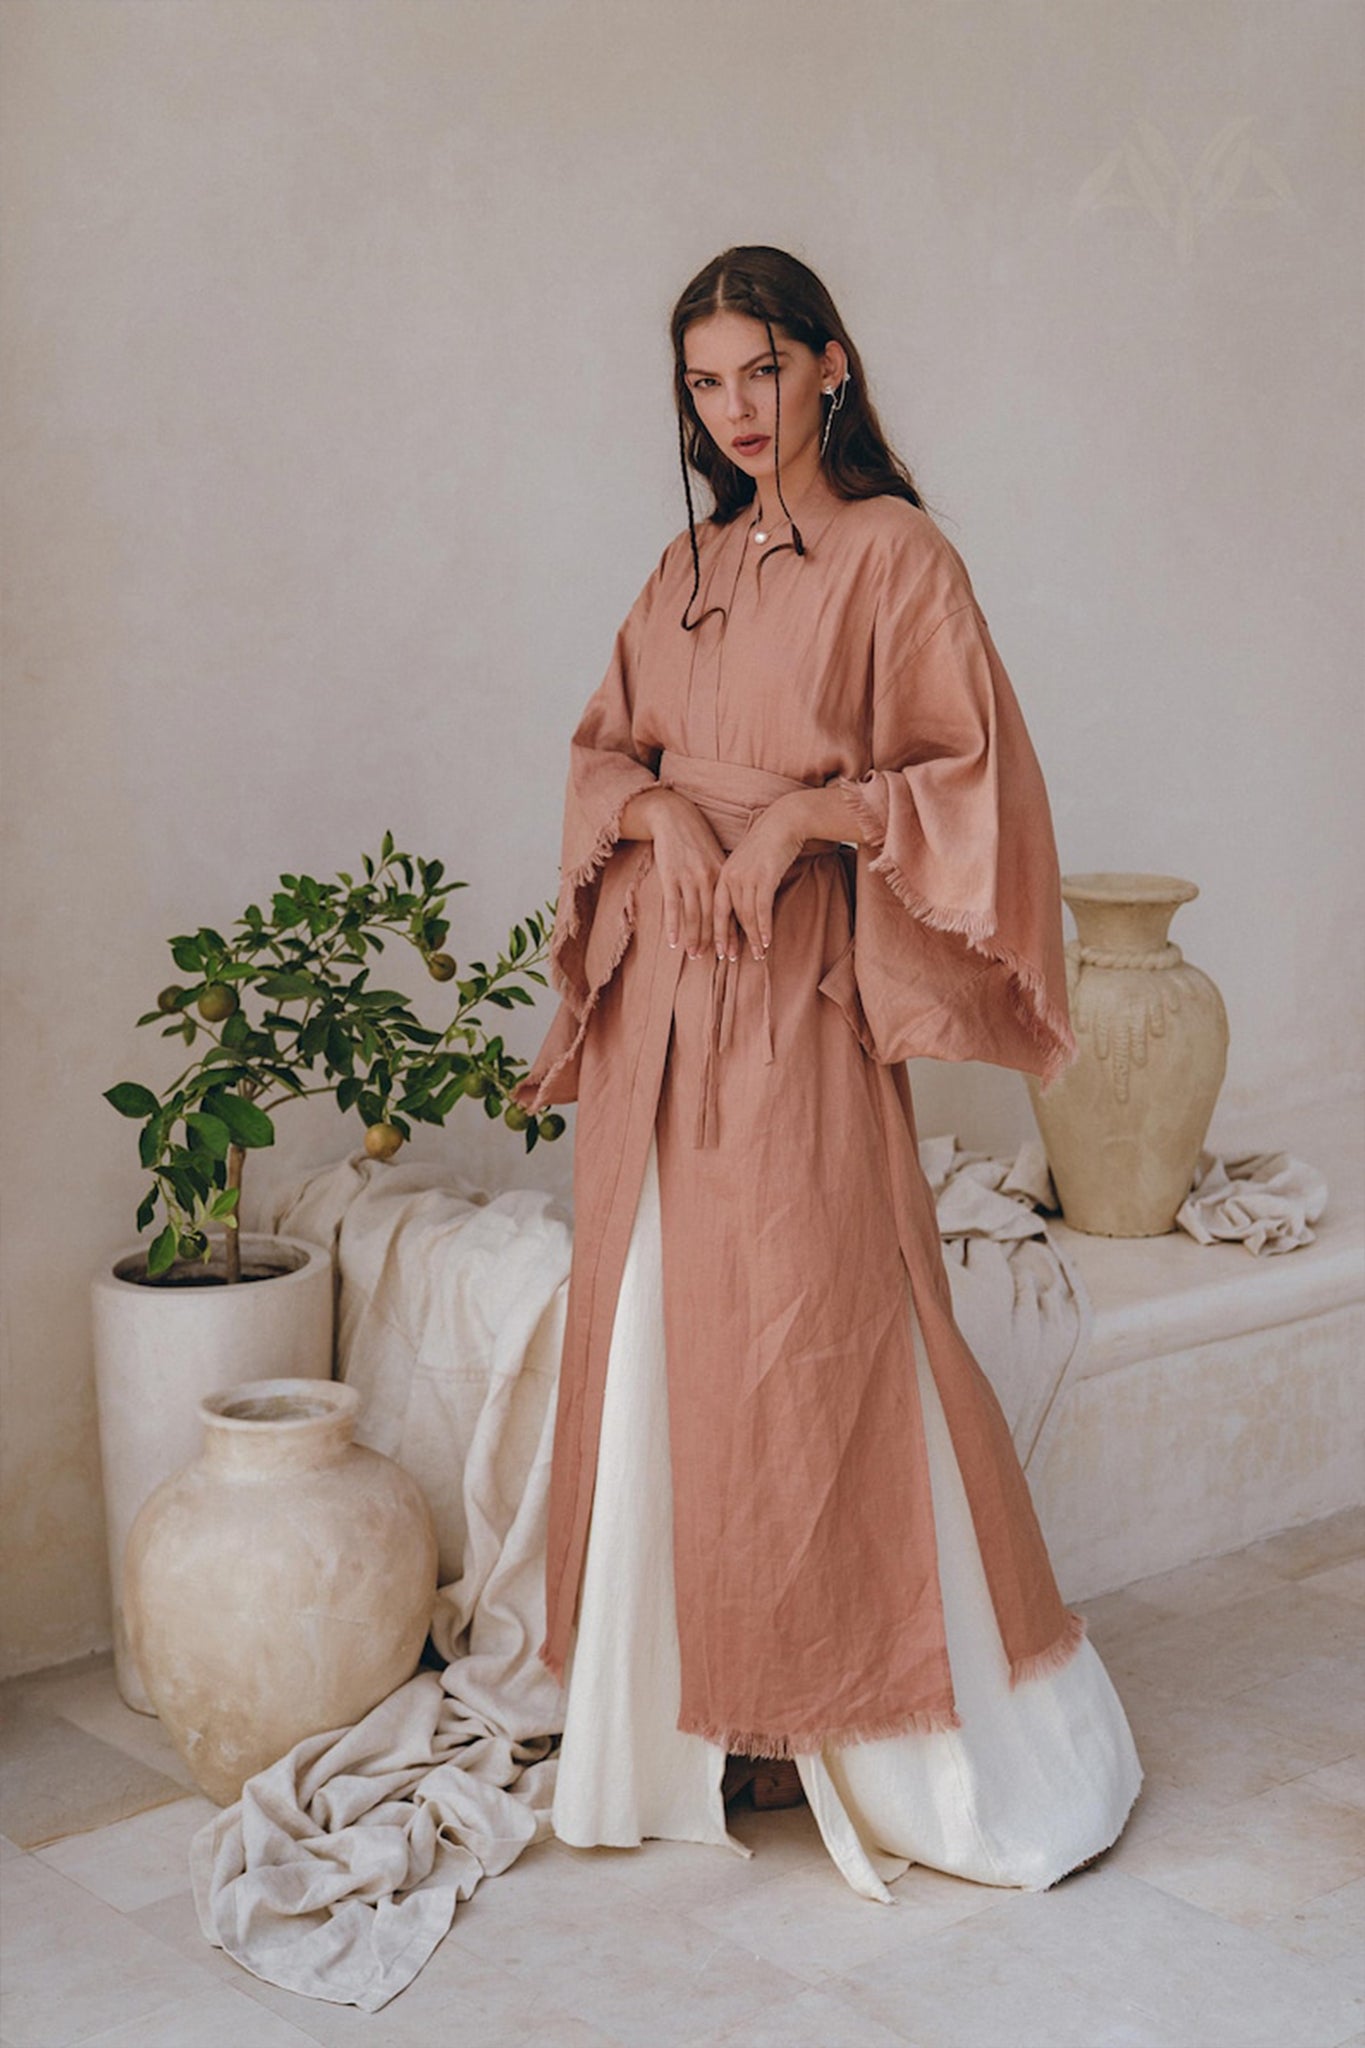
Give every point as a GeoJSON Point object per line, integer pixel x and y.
{"type": "Point", "coordinates": [720, 915]}
{"type": "Point", "coordinates": [697, 907]}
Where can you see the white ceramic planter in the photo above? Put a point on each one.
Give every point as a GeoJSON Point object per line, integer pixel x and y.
{"type": "Point", "coordinates": [281, 1584]}
{"type": "Point", "coordinates": [159, 1350]}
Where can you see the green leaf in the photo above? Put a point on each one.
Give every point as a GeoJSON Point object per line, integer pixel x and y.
{"type": "Point", "coordinates": [162, 1254]}
{"type": "Point", "coordinates": [149, 1141]}
{"type": "Point", "coordinates": [224, 1202]}
{"type": "Point", "coordinates": [131, 1099]}
{"type": "Point", "coordinates": [247, 1125]}
{"type": "Point", "coordinates": [340, 1051]}
{"type": "Point", "coordinates": [186, 954]}
{"type": "Point", "coordinates": [348, 1091]}
{"type": "Point", "coordinates": [146, 1209]}
{"type": "Point", "coordinates": [313, 1036]}
{"type": "Point", "coordinates": [188, 1181]}
{"type": "Point", "coordinates": [290, 988]}
{"type": "Point", "coordinates": [211, 1130]}
{"type": "Point", "coordinates": [387, 848]}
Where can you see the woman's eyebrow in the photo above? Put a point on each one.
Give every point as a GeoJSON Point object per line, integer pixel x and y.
{"type": "Point", "coordinates": [765, 355]}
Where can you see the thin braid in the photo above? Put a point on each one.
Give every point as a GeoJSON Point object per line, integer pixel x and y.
{"type": "Point", "coordinates": [691, 527]}
{"type": "Point", "coordinates": [797, 541]}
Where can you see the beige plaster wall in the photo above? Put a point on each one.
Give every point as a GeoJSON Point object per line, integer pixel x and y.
{"type": "Point", "coordinates": [338, 441]}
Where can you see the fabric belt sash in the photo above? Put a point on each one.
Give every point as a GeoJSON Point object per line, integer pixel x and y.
{"type": "Point", "coordinates": [730, 796]}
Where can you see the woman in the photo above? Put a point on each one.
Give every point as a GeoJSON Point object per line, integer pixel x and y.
{"type": "Point", "coordinates": [805, 838]}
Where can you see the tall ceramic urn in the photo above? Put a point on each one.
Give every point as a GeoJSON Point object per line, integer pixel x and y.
{"type": "Point", "coordinates": [1124, 1124]}
{"type": "Point", "coordinates": [161, 1345]}
{"type": "Point", "coordinates": [281, 1584]}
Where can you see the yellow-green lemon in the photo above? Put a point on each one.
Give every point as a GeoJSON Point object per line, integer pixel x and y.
{"type": "Point", "coordinates": [382, 1140]}
{"type": "Point", "coordinates": [217, 1002]}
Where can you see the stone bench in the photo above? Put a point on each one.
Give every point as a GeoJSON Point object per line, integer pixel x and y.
{"type": "Point", "coordinates": [1223, 1395]}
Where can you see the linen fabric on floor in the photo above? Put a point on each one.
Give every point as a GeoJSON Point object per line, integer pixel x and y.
{"type": "Point", "coordinates": [1035, 1781]}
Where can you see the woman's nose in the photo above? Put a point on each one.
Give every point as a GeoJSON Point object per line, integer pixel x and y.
{"type": "Point", "coordinates": [736, 406]}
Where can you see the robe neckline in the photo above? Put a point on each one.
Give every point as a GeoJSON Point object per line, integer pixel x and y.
{"type": "Point", "coordinates": [819, 501]}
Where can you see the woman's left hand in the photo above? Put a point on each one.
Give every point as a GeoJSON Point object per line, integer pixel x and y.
{"type": "Point", "coordinates": [749, 880]}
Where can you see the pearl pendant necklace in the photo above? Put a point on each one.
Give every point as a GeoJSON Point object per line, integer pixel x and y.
{"type": "Point", "coordinates": [758, 534]}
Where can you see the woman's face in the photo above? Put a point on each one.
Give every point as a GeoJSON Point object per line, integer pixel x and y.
{"type": "Point", "coordinates": [729, 371]}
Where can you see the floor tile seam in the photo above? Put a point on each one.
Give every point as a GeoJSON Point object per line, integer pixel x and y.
{"type": "Point", "coordinates": [1258, 1928]}
{"type": "Point", "coordinates": [187, 1998]}
{"type": "Point", "coordinates": [109, 1827]}
{"type": "Point", "coordinates": [1174, 1782]}
{"type": "Point", "coordinates": [1274, 1950]}
{"type": "Point", "coordinates": [178, 1997]}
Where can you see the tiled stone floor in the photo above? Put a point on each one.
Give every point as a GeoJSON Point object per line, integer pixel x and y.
{"type": "Point", "coordinates": [1230, 1913]}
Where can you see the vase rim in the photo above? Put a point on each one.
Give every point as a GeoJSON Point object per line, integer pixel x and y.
{"type": "Point", "coordinates": [317, 1402]}
{"type": "Point", "coordinates": [1122, 887]}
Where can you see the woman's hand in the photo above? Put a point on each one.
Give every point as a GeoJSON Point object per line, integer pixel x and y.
{"type": "Point", "coordinates": [688, 857]}
{"type": "Point", "coordinates": [750, 877]}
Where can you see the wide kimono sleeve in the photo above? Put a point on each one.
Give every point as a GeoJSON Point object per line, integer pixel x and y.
{"type": "Point", "coordinates": [598, 873]}
{"type": "Point", "coordinates": [957, 950]}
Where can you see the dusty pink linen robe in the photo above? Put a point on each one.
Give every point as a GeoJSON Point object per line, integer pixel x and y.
{"type": "Point", "coordinates": [793, 1201]}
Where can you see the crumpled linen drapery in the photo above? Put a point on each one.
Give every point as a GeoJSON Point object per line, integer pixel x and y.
{"type": "Point", "coordinates": [1017, 1298]}
{"type": "Point", "coordinates": [1267, 1201]}
{"type": "Point", "coordinates": [341, 1867]}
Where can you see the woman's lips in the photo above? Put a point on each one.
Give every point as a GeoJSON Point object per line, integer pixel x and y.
{"type": "Point", "coordinates": [750, 445]}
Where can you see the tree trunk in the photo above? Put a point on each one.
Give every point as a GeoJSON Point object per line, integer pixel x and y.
{"type": "Point", "coordinates": [232, 1236]}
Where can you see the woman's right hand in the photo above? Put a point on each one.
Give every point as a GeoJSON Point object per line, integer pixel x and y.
{"type": "Point", "coordinates": [688, 856]}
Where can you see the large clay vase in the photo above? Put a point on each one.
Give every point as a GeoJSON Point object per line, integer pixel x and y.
{"type": "Point", "coordinates": [161, 1345]}
{"type": "Point", "coordinates": [1124, 1124]}
{"type": "Point", "coordinates": [281, 1584]}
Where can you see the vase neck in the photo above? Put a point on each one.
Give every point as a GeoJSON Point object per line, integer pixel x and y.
{"type": "Point", "coordinates": [1123, 927]}
{"type": "Point", "coordinates": [272, 1436]}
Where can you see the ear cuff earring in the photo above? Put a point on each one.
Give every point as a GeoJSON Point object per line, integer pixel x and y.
{"type": "Point", "coordinates": [829, 416]}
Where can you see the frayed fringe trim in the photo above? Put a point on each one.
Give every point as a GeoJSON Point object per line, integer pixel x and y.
{"type": "Point", "coordinates": [1049, 1027]}
{"type": "Point", "coordinates": [1041, 1663]}
{"type": "Point", "coordinates": [575, 997]}
{"type": "Point", "coordinates": [865, 810]}
{"type": "Point", "coordinates": [746, 1742]}
{"type": "Point", "coordinates": [568, 916]}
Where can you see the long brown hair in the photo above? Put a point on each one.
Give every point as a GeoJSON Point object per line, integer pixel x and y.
{"type": "Point", "coordinates": [781, 291]}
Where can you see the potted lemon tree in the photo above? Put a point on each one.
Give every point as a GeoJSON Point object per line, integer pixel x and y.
{"type": "Point", "coordinates": [283, 1008]}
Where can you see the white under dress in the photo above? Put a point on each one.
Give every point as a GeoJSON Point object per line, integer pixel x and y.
{"type": "Point", "coordinates": [1035, 1781]}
